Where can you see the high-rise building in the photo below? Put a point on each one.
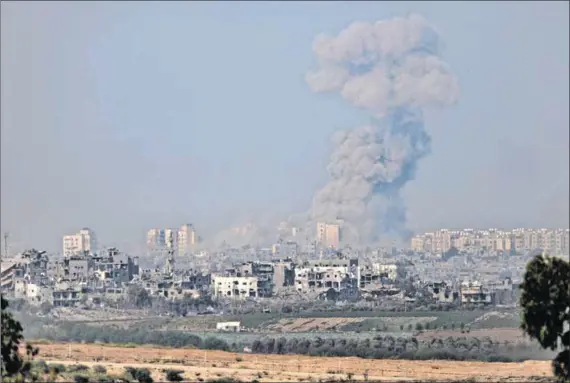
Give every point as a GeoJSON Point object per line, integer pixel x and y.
{"type": "Point", "coordinates": [187, 239]}
{"type": "Point", "coordinates": [183, 239]}
{"type": "Point", "coordinates": [155, 239]}
{"type": "Point", "coordinates": [170, 238]}
{"type": "Point", "coordinates": [328, 235]}
{"type": "Point", "coordinates": [84, 241]}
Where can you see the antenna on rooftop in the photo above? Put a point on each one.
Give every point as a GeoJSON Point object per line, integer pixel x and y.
{"type": "Point", "coordinates": [6, 235]}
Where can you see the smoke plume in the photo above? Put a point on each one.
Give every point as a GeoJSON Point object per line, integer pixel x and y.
{"type": "Point", "coordinates": [391, 69]}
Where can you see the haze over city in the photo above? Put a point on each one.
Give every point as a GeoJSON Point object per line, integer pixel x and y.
{"type": "Point", "coordinates": [127, 116]}
{"type": "Point", "coordinates": [285, 191]}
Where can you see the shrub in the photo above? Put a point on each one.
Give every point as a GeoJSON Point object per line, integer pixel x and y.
{"type": "Point", "coordinates": [78, 368]}
{"type": "Point", "coordinates": [131, 371]}
{"type": "Point", "coordinates": [41, 366]}
{"type": "Point", "coordinates": [56, 368]}
{"type": "Point", "coordinates": [99, 369]}
{"type": "Point", "coordinates": [80, 379]}
{"type": "Point", "coordinates": [141, 375]}
{"type": "Point", "coordinates": [174, 375]}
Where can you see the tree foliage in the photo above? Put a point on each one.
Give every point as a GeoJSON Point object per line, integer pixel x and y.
{"type": "Point", "coordinates": [12, 361]}
{"type": "Point", "coordinates": [545, 299]}
{"type": "Point", "coordinates": [138, 297]}
{"type": "Point", "coordinates": [12, 336]}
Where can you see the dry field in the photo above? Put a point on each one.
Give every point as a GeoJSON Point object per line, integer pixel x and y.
{"type": "Point", "coordinates": [309, 324]}
{"type": "Point", "coordinates": [282, 368]}
{"type": "Point", "coordinates": [320, 324]}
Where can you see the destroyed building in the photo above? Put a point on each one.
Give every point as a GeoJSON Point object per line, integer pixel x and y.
{"type": "Point", "coordinates": [320, 275]}
{"type": "Point", "coordinates": [235, 287]}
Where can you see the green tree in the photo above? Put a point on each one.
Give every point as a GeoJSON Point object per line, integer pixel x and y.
{"type": "Point", "coordinates": [545, 299]}
{"type": "Point", "coordinates": [138, 296]}
{"type": "Point", "coordinates": [12, 361]}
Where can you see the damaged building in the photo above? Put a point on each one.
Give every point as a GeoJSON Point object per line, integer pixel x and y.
{"type": "Point", "coordinates": [322, 275]}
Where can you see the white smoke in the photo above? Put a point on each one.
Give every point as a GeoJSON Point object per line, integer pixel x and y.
{"type": "Point", "coordinates": [391, 69]}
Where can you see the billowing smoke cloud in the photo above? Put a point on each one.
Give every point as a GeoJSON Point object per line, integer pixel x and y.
{"type": "Point", "coordinates": [393, 70]}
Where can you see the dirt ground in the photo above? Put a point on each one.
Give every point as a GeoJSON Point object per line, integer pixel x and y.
{"type": "Point", "coordinates": [200, 364]}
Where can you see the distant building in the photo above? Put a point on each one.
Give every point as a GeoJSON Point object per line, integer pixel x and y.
{"type": "Point", "coordinates": [235, 287]}
{"type": "Point", "coordinates": [553, 241]}
{"type": "Point", "coordinates": [171, 238]}
{"type": "Point", "coordinates": [321, 275]}
{"type": "Point", "coordinates": [84, 241]}
{"type": "Point", "coordinates": [187, 239]}
{"type": "Point", "coordinates": [285, 250]}
{"type": "Point", "coordinates": [228, 326]}
{"type": "Point", "coordinates": [328, 235]}
{"type": "Point", "coordinates": [155, 239]}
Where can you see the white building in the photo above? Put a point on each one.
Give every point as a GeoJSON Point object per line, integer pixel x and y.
{"type": "Point", "coordinates": [83, 241]}
{"type": "Point", "coordinates": [390, 269]}
{"type": "Point", "coordinates": [235, 287]}
{"type": "Point", "coordinates": [228, 326]}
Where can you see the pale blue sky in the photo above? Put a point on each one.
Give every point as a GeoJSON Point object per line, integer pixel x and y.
{"type": "Point", "coordinates": [125, 116]}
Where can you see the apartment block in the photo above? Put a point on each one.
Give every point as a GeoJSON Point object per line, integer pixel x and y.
{"type": "Point", "coordinates": [81, 242]}
{"type": "Point", "coordinates": [187, 239]}
{"type": "Point", "coordinates": [183, 239]}
{"type": "Point", "coordinates": [235, 287]}
{"type": "Point", "coordinates": [554, 241]}
{"type": "Point", "coordinates": [328, 235]}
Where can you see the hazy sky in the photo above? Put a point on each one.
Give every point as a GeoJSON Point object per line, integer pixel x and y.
{"type": "Point", "coordinates": [124, 116]}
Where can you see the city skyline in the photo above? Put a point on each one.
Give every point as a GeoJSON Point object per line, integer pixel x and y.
{"type": "Point", "coordinates": [138, 120]}
{"type": "Point", "coordinates": [555, 240]}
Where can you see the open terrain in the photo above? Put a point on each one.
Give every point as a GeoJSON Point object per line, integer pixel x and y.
{"type": "Point", "coordinates": [205, 365]}
{"type": "Point", "coordinates": [304, 322]}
